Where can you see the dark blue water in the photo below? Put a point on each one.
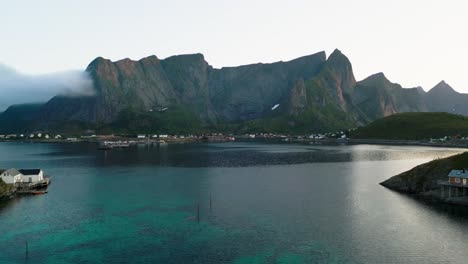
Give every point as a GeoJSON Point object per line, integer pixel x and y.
{"type": "Point", "coordinates": [270, 204]}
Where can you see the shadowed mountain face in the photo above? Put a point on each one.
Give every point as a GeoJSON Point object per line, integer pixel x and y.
{"type": "Point", "coordinates": [187, 81]}
{"type": "Point", "coordinates": [443, 98]}
{"type": "Point", "coordinates": [377, 97]}
{"type": "Point", "coordinates": [18, 116]}
{"type": "Point", "coordinates": [184, 93]}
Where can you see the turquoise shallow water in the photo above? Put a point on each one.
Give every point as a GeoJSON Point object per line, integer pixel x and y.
{"type": "Point", "coordinates": [270, 204]}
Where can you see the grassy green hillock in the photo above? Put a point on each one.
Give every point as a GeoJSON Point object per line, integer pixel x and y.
{"type": "Point", "coordinates": [415, 126]}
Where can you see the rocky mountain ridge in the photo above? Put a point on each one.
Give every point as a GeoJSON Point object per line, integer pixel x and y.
{"type": "Point", "coordinates": [309, 93]}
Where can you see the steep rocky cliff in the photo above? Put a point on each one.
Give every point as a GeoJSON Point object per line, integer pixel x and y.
{"type": "Point", "coordinates": [308, 93]}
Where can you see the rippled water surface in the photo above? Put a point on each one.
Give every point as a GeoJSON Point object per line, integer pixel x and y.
{"type": "Point", "coordinates": [269, 204]}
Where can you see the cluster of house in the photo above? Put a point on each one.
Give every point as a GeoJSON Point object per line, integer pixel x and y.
{"type": "Point", "coordinates": [13, 176]}
{"type": "Point", "coordinates": [335, 135]}
{"type": "Point", "coordinates": [32, 135]}
{"type": "Point", "coordinates": [142, 136]}
{"type": "Point", "coordinates": [442, 139]}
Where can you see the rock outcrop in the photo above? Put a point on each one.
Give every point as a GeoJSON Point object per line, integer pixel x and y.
{"type": "Point", "coordinates": [422, 180]}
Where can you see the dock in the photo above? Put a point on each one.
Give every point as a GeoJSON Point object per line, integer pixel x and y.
{"type": "Point", "coordinates": [39, 187]}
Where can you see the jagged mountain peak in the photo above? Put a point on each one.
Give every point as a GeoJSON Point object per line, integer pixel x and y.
{"type": "Point", "coordinates": [443, 88]}
{"type": "Point", "coordinates": [321, 55]}
{"type": "Point", "coordinates": [187, 57]}
{"type": "Point", "coordinates": [377, 79]}
{"type": "Point", "coordinates": [379, 75]}
{"type": "Point", "coordinates": [336, 52]}
{"type": "Point", "coordinates": [338, 57]}
{"type": "Point", "coordinates": [316, 91]}
{"type": "Point", "coordinates": [420, 89]}
{"type": "Point", "coordinates": [96, 62]}
{"type": "Point", "coordinates": [341, 65]}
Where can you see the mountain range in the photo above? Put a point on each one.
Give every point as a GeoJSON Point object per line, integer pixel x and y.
{"type": "Point", "coordinates": [185, 94]}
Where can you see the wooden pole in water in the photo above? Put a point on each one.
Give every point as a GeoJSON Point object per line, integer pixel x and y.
{"type": "Point", "coordinates": [27, 248]}
{"type": "Point", "coordinates": [198, 213]}
{"type": "Point", "coordinates": [210, 202]}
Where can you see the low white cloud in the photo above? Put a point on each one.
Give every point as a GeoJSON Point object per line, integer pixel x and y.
{"type": "Point", "coordinates": [18, 88]}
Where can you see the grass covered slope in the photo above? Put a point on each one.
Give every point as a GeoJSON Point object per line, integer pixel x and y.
{"type": "Point", "coordinates": [423, 178]}
{"type": "Point", "coordinates": [414, 126]}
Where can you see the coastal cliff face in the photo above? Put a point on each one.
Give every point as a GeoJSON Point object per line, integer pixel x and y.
{"type": "Point", "coordinates": [186, 81]}
{"type": "Point", "coordinates": [313, 93]}
{"type": "Point", "coordinates": [422, 180]}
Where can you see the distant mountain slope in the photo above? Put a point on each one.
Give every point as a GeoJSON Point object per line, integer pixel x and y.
{"type": "Point", "coordinates": [184, 93]}
{"type": "Point", "coordinates": [377, 97]}
{"type": "Point", "coordinates": [20, 116]}
{"type": "Point", "coordinates": [415, 126]}
{"type": "Point", "coordinates": [185, 81]}
{"type": "Point", "coordinates": [444, 98]}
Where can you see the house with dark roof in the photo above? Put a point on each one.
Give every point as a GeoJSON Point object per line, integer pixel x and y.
{"type": "Point", "coordinates": [32, 175]}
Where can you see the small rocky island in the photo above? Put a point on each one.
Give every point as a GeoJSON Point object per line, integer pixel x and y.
{"type": "Point", "coordinates": [426, 180]}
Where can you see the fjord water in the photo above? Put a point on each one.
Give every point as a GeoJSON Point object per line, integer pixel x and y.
{"type": "Point", "coordinates": [269, 204]}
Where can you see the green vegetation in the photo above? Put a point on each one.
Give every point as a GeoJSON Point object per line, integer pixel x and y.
{"type": "Point", "coordinates": [173, 121]}
{"type": "Point", "coordinates": [5, 189]}
{"type": "Point", "coordinates": [415, 126]}
{"type": "Point", "coordinates": [15, 116]}
{"type": "Point", "coordinates": [311, 120]}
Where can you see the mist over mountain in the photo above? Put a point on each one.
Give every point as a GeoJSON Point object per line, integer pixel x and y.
{"type": "Point", "coordinates": [185, 94]}
{"type": "Point", "coordinates": [18, 88]}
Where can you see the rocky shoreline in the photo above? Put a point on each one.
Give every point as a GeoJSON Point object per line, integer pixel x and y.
{"type": "Point", "coordinates": [6, 191]}
{"type": "Point", "coordinates": [421, 181]}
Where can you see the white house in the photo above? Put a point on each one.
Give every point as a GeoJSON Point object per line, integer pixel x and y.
{"type": "Point", "coordinates": [11, 176]}
{"type": "Point", "coordinates": [32, 175]}
{"type": "Point", "coordinates": [141, 136]}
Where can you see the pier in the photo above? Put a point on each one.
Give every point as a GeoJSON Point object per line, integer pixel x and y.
{"type": "Point", "coordinates": [455, 186]}
{"type": "Point", "coordinates": [449, 190]}
{"type": "Point", "coordinates": [39, 187]}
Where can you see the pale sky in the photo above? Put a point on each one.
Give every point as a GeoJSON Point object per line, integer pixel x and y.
{"type": "Point", "coordinates": [414, 42]}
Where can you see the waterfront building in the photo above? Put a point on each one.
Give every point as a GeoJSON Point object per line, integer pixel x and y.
{"type": "Point", "coordinates": [11, 176]}
{"type": "Point", "coordinates": [456, 185]}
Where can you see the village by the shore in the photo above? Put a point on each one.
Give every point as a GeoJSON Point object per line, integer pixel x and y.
{"type": "Point", "coordinates": [108, 141]}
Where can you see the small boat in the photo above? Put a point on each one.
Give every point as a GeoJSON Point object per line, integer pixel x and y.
{"type": "Point", "coordinates": [105, 147]}
{"type": "Point", "coordinates": [38, 192]}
